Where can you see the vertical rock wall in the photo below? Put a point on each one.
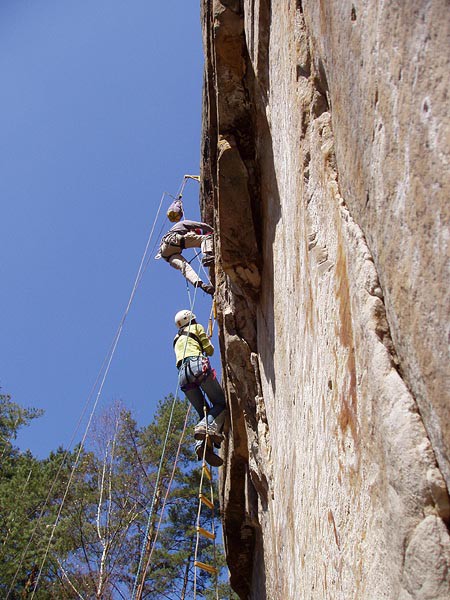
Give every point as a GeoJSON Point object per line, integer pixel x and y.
{"type": "Point", "coordinates": [325, 173]}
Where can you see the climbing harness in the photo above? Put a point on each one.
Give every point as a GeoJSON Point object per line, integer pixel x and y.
{"type": "Point", "coordinates": [190, 379]}
{"type": "Point", "coordinates": [174, 240]}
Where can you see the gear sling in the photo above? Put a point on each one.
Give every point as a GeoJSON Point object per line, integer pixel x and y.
{"type": "Point", "coordinates": [175, 240]}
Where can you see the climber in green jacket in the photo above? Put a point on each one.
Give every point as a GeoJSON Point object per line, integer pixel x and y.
{"type": "Point", "coordinates": [192, 348]}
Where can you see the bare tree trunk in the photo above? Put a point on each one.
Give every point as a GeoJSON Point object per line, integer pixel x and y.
{"type": "Point", "coordinates": [106, 537]}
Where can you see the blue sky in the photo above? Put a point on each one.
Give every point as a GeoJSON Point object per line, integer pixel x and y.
{"type": "Point", "coordinates": [100, 112]}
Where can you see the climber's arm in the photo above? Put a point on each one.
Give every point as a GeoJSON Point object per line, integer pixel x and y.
{"type": "Point", "coordinates": [208, 348]}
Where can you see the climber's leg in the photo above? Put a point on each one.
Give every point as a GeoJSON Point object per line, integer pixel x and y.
{"type": "Point", "coordinates": [220, 419]}
{"type": "Point", "coordinates": [177, 261]}
{"type": "Point", "coordinates": [208, 250]}
{"type": "Point", "coordinates": [216, 415]}
{"type": "Point", "coordinates": [205, 242]}
{"type": "Point", "coordinates": [212, 430]}
{"type": "Point", "coordinates": [211, 458]}
{"type": "Point", "coordinates": [214, 391]}
{"type": "Point", "coordinates": [172, 243]}
{"type": "Point", "coordinates": [195, 397]}
{"type": "Point", "coordinates": [193, 240]}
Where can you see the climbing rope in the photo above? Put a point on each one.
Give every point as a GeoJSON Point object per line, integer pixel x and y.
{"type": "Point", "coordinates": [108, 360]}
{"type": "Point", "coordinates": [206, 472]}
{"type": "Point", "coordinates": [101, 377]}
{"type": "Point", "coordinates": [49, 494]}
{"type": "Point", "coordinates": [137, 591]}
{"type": "Point", "coordinates": [200, 531]}
{"type": "Point", "coordinates": [213, 314]}
{"type": "Point", "coordinates": [103, 369]}
{"type": "Point", "coordinates": [138, 588]}
{"type": "Point", "coordinates": [169, 486]}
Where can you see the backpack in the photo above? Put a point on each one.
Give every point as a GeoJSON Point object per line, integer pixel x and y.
{"type": "Point", "coordinates": [175, 211]}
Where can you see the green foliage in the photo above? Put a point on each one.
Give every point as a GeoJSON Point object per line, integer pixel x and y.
{"type": "Point", "coordinates": [96, 546]}
{"type": "Point", "coordinates": [12, 418]}
{"type": "Point", "coordinates": [30, 493]}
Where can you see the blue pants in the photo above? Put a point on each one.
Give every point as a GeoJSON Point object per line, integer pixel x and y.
{"type": "Point", "coordinates": [193, 379]}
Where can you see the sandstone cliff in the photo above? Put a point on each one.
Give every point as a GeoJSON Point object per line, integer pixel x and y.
{"type": "Point", "coordinates": [326, 154]}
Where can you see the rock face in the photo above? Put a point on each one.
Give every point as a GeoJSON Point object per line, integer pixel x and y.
{"type": "Point", "coordinates": [326, 154]}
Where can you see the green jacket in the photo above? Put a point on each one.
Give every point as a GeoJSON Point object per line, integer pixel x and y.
{"type": "Point", "coordinates": [186, 345]}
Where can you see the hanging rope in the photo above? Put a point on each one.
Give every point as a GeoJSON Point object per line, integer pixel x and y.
{"type": "Point", "coordinates": [137, 591]}
{"type": "Point", "coordinates": [213, 314]}
{"type": "Point", "coordinates": [102, 376]}
{"type": "Point", "coordinates": [202, 499]}
{"type": "Point", "coordinates": [171, 480]}
{"type": "Point", "coordinates": [107, 361]}
{"type": "Point", "coordinates": [168, 489]}
{"type": "Point", "coordinates": [52, 486]}
{"type": "Point", "coordinates": [147, 566]}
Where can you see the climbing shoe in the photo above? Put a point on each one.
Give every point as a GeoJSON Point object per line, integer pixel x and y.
{"type": "Point", "coordinates": [211, 458]}
{"type": "Point", "coordinates": [208, 260]}
{"type": "Point", "coordinates": [213, 432]}
{"type": "Point", "coordinates": [208, 288]}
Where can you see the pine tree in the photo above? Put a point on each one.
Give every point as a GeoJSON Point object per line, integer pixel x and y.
{"type": "Point", "coordinates": [125, 503]}
{"type": "Point", "coordinates": [171, 570]}
{"type": "Point", "coordinates": [30, 493]}
{"type": "Point", "coordinates": [116, 494]}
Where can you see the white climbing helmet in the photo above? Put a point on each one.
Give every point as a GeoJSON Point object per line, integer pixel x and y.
{"type": "Point", "coordinates": [183, 317]}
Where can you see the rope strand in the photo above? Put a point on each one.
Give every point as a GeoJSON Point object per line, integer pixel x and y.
{"type": "Point", "coordinates": [99, 385]}
{"type": "Point", "coordinates": [137, 592]}
{"type": "Point", "coordinates": [108, 360]}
